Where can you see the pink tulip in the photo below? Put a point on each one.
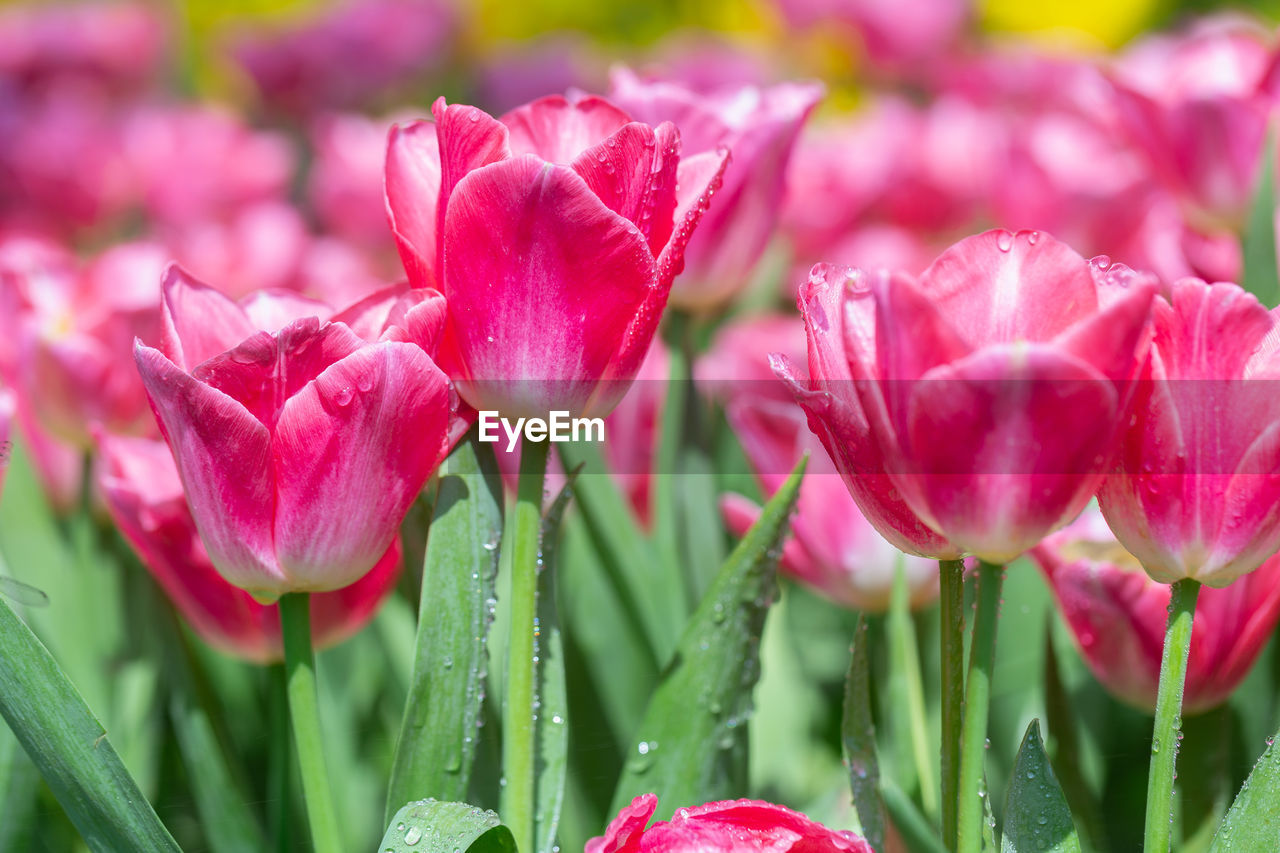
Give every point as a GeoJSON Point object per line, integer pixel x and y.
{"type": "Point", "coordinates": [1118, 614]}
{"type": "Point", "coordinates": [68, 335]}
{"type": "Point", "coordinates": [300, 451]}
{"type": "Point", "coordinates": [731, 826]}
{"type": "Point", "coordinates": [554, 233]}
{"type": "Point", "coordinates": [909, 36]}
{"type": "Point", "coordinates": [832, 547]}
{"type": "Point", "coordinates": [143, 494]}
{"type": "Point", "coordinates": [353, 53]}
{"type": "Point", "coordinates": [194, 163]}
{"type": "Point", "coordinates": [760, 127]}
{"type": "Point", "coordinates": [1197, 105]}
{"type": "Point", "coordinates": [345, 183]}
{"type": "Point", "coordinates": [114, 46]}
{"type": "Point", "coordinates": [1197, 491]}
{"type": "Point", "coordinates": [990, 391]}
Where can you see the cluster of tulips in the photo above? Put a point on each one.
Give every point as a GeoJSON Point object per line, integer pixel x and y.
{"type": "Point", "coordinates": [246, 362]}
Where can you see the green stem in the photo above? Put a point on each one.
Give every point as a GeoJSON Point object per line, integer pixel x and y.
{"type": "Point", "coordinates": [517, 799]}
{"type": "Point", "coordinates": [952, 634]}
{"type": "Point", "coordinates": [905, 654]}
{"type": "Point", "coordinates": [977, 699]}
{"type": "Point", "coordinates": [1164, 742]}
{"type": "Point", "coordinates": [304, 711]}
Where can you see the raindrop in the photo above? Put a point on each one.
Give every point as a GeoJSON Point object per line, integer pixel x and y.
{"type": "Point", "coordinates": [1004, 240]}
{"type": "Point", "coordinates": [413, 836]}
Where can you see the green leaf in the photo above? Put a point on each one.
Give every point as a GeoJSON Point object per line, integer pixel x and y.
{"type": "Point", "coordinates": [1253, 821]}
{"type": "Point", "coordinates": [551, 729]}
{"type": "Point", "coordinates": [437, 743]}
{"type": "Point", "coordinates": [228, 824]}
{"type": "Point", "coordinates": [1060, 717]}
{"type": "Point", "coordinates": [691, 746]}
{"type": "Point", "coordinates": [433, 826]}
{"type": "Point", "coordinates": [1260, 272]}
{"type": "Point", "coordinates": [913, 828]}
{"type": "Point", "coordinates": [627, 558]}
{"type": "Point", "coordinates": [19, 785]}
{"type": "Point", "coordinates": [1036, 815]}
{"type": "Point", "coordinates": [858, 739]}
{"type": "Point", "coordinates": [70, 748]}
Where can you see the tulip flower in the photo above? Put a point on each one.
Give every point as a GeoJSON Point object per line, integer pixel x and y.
{"type": "Point", "coordinates": [731, 826]}
{"type": "Point", "coordinates": [832, 547]}
{"type": "Point", "coordinates": [1117, 615]}
{"type": "Point", "coordinates": [1197, 492]}
{"type": "Point", "coordinates": [300, 450]}
{"type": "Point", "coordinates": [1197, 105]}
{"type": "Point", "coordinates": [554, 233]}
{"type": "Point", "coordinates": [143, 494]}
{"type": "Point", "coordinates": [760, 127]}
{"type": "Point", "coordinates": [69, 331]}
{"type": "Point", "coordinates": [994, 387]}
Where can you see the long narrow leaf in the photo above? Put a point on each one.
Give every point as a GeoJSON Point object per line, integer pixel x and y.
{"type": "Point", "coordinates": [70, 748]}
{"type": "Point", "coordinates": [1260, 272]}
{"type": "Point", "coordinates": [551, 725]}
{"type": "Point", "coordinates": [691, 744]}
{"type": "Point", "coordinates": [437, 742]}
{"type": "Point", "coordinates": [1253, 821]}
{"type": "Point", "coordinates": [858, 740]}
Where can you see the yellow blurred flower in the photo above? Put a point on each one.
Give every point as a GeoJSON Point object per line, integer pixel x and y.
{"type": "Point", "coordinates": [1084, 23]}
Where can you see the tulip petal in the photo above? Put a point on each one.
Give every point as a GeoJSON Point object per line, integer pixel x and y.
{"type": "Point", "coordinates": [698, 179]}
{"type": "Point", "coordinates": [634, 174]}
{"type": "Point", "coordinates": [275, 309]}
{"type": "Point", "coordinates": [200, 322]}
{"type": "Point", "coordinates": [543, 283]}
{"type": "Point", "coordinates": [1250, 527]}
{"type": "Point", "coordinates": [215, 440]}
{"type": "Point", "coordinates": [624, 831]}
{"type": "Point", "coordinates": [266, 370]}
{"type": "Point", "coordinates": [352, 449]}
{"type": "Point", "coordinates": [412, 189]}
{"type": "Point", "coordinates": [1005, 287]}
{"type": "Point", "coordinates": [558, 130]}
{"type": "Point", "coordinates": [1006, 445]}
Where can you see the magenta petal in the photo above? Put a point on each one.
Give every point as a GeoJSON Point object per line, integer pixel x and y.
{"type": "Point", "coordinates": [1250, 529]}
{"type": "Point", "coordinates": [412, 187]}
{"type": "Point", "coordinates": [351, 451]}
{"type": "Point", "coordinates": [634, 174]}
{"type": "Point", "coordinates": [368, 317]}
{"type": "Point", "coordinates": [543, 283]}
{"type": "Point", "coordinates": [624, 831]}
{"type": "Point", "coordinates": [558, 130]}
{"type": "Point", "coordinates": [699, 178]}
{"type": "Point", "coordinates": [200, 322]}
{"type": "Point", "coordinates": [1111, 338]}
{"type": "Point", "coordinates": [1000, 286]}
{"type": "Point", "coordinates": [1008, 444]}
{"type": "Point", "coordinates": [275, 309]}
{"type": "Point", "coordinates": [266, 370]}
{"type": "Point", "coordinates": [215, 441]}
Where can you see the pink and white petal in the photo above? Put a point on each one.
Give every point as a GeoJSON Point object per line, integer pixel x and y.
{"type": "Point", "coordinates": [1002, 287]}
{"type": "Point", "coordinates": [1250, 520]}
{"type": "Point", "coordinates": [1114, 340]}
{"type": "Point", "coordinates": [698, 179]}
{"type": "Point", "coordinates": [199, 321]}
{"type": "Point", "coordinates": [740, 513]}
{"type": "Point", "coordinates": [1005, 446]}
{"type": "Point", "coordinates": [1212, 330]}
{"type": "Point", "coordinates": [223, 454]}
{"type": "Point", "coordinates": [266, 370]}
{"type": "Point", "coordinates": [340, 613]}
{"type": "Point", "coordinates": [411, 184]}
{"type": "Point", "coordinates": [558, 130]}
{"type": "Point", "coordinates": [270, 310]}
{"type": "Point", "coordinates": [543, 283]}
{"type": "Point", "coordinates": [351, 451]}
{"type": "Point", "coordinates": [368, 317]}
{"type": "Point", "coordinates": [634, 174]}
{"type": "Point", "coordinates": [469, 139]}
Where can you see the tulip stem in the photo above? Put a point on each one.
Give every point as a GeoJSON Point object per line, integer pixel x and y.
{"type": "Point", "coordinates": [952, 635]}
{"type": "Point", "coordinates": [1164, 741]}
{"type": "Point", "coordinates": [977, 699]}
{"type": "Point", "coordinates": [516, 803]}
{"type": "Point", "coordinates": [304, 709]}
